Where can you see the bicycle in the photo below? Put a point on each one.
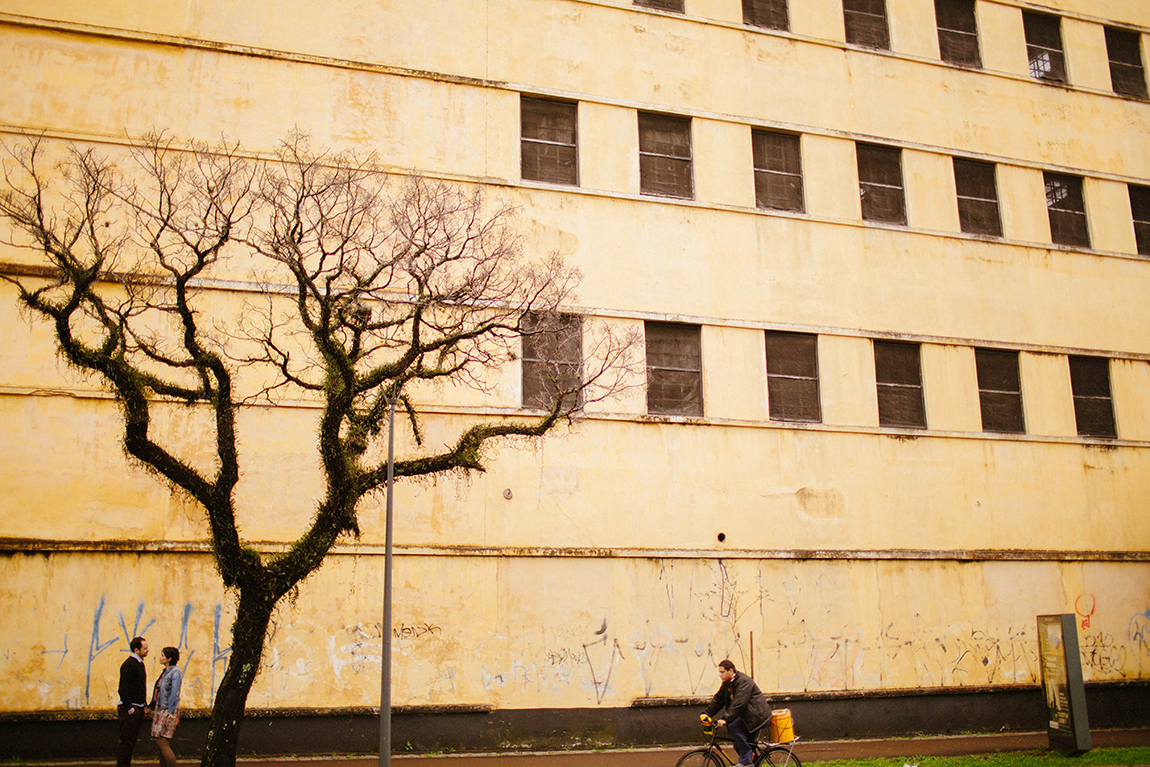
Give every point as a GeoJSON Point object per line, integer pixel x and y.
{"type": "Point", "coordinates": [764, 752]}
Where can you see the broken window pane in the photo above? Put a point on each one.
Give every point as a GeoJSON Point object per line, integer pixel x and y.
{"type": "Point", "coordinates": [1067, 210]}
{"type": "Point", "coordinates": [957, 32]}
{"type": "Point", "coordinates": [1044, 46]}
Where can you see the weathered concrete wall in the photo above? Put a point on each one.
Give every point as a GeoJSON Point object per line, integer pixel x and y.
{"type": "Point", "coordinates": [572, 631]}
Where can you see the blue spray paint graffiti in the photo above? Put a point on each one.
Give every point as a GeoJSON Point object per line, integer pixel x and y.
{"type": "Point", "coordinates": [136, 630]}
{"type": "Point", "coordinates": [95, 648]}
{"type": "Point", "coordinates": [217, 654]}
{"type": "Point", "coordinates": [184, 636]}
{"type": "Point", "coordinates": [63, 653]}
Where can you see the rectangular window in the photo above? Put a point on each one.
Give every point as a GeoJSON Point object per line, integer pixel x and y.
{"type": "Point", "coordinates": [1044, 46]}
{"type": "Point", "coordinates": [552, 359]}
{"type": "Point", "coordinates": [674, 369]}
{"type": "Point", "coordinates": [549, 148]}
{"type": "Point", "coordinates": [663, 5]}
{"type": "Point", "coordinates": [898, 373]}
{"type": "Point", "coordinates": [957, 32]}
{"type": "Point", "coordinates": [999, 391]}
{"type": "Point", "coordinates": [865, 22]}
{"type": "Point", "coordinates": [1093, 408]}
{"type": "Point", "coordinates": [1067, 210]}
{"type": "Point", "coordinates": [1123, 48]}
{"type": "Point", "coordinates": [665, 155]}
{"type": "Point", "coordinates": [1140, 210]}
{"type": "Point", "coordinates": [793, 377]}
{"type": "Point", "coordinates": [880, 183]}
{"type": "Point", "coordinates": [977, 197]}
{"type": "Point", "coordinates": [778, 171]}
{"type": "Point", "coordinates": [771, 14]}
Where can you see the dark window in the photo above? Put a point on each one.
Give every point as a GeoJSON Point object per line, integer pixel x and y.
{"type": "Point", "coordinates": [793, 377]}
{"type": "Point", "coordinates": [771, 14]}
{"type": "Point", "coordinates": [865, 22]}
{"type": "Point", "coordinates": [880, 183]}
{"type": "Point", "coordinates": [778, 171]}
{"type": "Point", "coordinates": [1125, 53]}
{"type": "Point", "coordinates": [674, 369]}
{"type": "Point", "coordinates": [1093, 408]}
{"type": "Point", "coordinates": [549, 151]}
{"type": "Point", "coordinates": [1140, 209]}
{"type": "Point", "coordinates": [665, 5]}
{"type": "Point", "coordinates": [999, 391]}
{"type": "Point", "coordinates": [898, 374]}
{"type": "Point", "coordinates": [957, 32]}
{"type": "Point", "coordinates": [665, 155]}
{"type": "Point", "coordinates": [1044, 47]}
{"type": "Point", "coordinates": [977, 197]}
{"type": "Point", "coordinates": [1067, 210]}
{"type": "Point", "coordinates": [552, 359]}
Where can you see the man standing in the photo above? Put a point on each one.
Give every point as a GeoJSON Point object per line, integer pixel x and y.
{"type": "Point", "coordinates": [740, 706]}
{"type": "Point", "coordinates": [133, 699]}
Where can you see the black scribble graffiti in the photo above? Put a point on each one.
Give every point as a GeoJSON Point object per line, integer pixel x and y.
{"type": "Point", "coordinates": [1101, 653]}
{"type": "Point", "coordinates": [414, 630]}
{"type": "Point", "coordinates": [1139, 633]}
{"type": "Point", "coordinates": [563, 655]}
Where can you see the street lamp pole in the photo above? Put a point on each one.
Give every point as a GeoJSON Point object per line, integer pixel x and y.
{"type": "Point", "coordinates": [385, 675]}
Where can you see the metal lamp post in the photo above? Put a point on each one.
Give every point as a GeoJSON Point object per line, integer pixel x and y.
{"type": "Point", "coordinates": [385, 676]}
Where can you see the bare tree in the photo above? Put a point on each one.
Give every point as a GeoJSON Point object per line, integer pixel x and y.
{"type": "Point", "coordinates": [359, 293]}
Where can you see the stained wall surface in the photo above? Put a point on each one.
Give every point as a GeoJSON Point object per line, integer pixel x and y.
{"type": "Point", "coordinates": [587, 569]}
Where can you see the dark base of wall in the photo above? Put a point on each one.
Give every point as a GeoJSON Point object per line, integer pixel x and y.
{"type": "Point", "coordinates": [819, 716]}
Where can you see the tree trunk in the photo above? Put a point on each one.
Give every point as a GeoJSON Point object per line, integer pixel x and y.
{"type": "Point", "coordinates": [248, 633]}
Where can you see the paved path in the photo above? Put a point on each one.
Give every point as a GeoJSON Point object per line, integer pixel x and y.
{"type": "Point", "coordinates": [667, 757]}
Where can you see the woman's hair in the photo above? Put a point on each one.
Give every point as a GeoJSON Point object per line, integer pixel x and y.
{"type": "Point", "coordinates": [172, 654]}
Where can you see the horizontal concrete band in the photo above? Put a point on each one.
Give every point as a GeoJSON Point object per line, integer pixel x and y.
{"type": "Point", "coordinates": [44, 546]}
{"type": "Point", "coordinates": [818, 716]}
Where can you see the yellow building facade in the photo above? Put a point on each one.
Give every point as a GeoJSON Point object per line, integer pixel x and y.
{"type": "Point", "coordinates": [904, 433]}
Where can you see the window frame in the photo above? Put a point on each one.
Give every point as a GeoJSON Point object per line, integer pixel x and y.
{"type": "Point", "coordinates": [533, 356]}
{"type": "Point", "coordinates": [656, 373]}
{"type": "Point", "coordinates": [952, 39]}
{"type": "Point", "coordinates": [671, 6]}
{"type": "Point", "coordinates": [874, 151]}
{"type": "Point", "coordinates": [1083, 401]}
{"type": "Point", "coordinates": [1032, 23]}
{"type": "Point", "coordinates": [1140, 215]}
{"type": "Point", "coordinates": [970, 203]}
{"type": "Point", "coordinates": [646, 180]}
{"type": "Point", "coordinates": [993, 400]}
{"type": "Point", "coordinates": [537, 143]}
{"type": "Point", "coordinates": [1127, 78]}
{"type": "Point", "coordinates": [793, 175]}
{"type": "Point", "coordinates": [757, 16]}
{"type": "Point", "coordinates": [1069, 226]}
{"type": "Point", "coordinates": [892, 393]}
{"type": "Point", "coordinates": [781, 383]}
{"type": "Point", "coordinates": [862, 27]}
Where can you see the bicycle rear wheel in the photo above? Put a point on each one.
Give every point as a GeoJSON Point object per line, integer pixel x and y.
{"type": "Point", "coordinates": [699, 758]}
{"type": "Point", "coordinates": [779, 756]}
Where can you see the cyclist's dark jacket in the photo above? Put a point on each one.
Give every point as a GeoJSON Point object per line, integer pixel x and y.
{"type": "Point", "coordinates": [740, 697]}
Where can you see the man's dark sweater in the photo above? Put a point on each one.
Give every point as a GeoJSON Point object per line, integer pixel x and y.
{"type": "Point", "coordinates": [133, 682]}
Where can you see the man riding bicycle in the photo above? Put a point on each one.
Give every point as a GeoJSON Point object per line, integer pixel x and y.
{"type": "Point", "coordinates": [740, 706]}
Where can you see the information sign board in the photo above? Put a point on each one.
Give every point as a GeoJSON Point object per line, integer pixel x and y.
{"type": "Point", "coordinates": [1067, 726]}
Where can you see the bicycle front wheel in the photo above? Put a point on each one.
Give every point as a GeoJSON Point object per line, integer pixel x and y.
{"type": "Point", "coordinates": [779, 756]}
{"type": "Point", "coordinates": [700, 758]}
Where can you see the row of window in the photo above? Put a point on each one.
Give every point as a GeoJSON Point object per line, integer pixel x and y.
{"type": "Point", "coordinates": [865, 24]}
{"type": "Point", "coordinates": [549, 151]}
{"type": "Point", "coordinates": [552, 361]}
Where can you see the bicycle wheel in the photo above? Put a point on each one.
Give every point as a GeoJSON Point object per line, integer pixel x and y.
{"type": "Point", "coordinates": [779, 756]}
{"type": "Point", "coordinates": [699, 758]}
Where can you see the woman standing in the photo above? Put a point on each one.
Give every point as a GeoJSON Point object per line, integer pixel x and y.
{"type": "Point", "coordinates": [166, 705]}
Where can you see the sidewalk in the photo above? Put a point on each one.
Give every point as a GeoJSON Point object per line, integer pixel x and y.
{"type": "Point", "coordinates": [816, 751]}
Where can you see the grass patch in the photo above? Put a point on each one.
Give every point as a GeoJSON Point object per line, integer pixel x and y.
{"type": "Point", "coordinates": [1098, 757]}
